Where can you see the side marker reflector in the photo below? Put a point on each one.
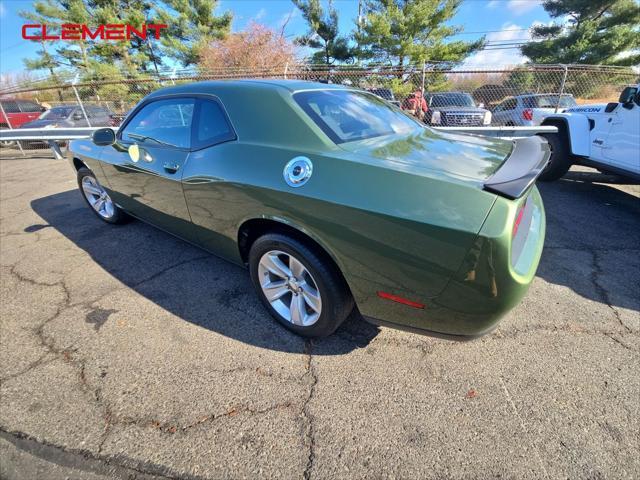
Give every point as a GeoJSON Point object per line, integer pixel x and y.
{"type": "Point", "coordinates": [404, 301]}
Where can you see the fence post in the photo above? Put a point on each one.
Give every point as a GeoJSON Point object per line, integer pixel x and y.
{"type": "Point", "coordinates": [564, 80]}
{"type": "Point", "coordinates": [75, 90]}
{"type": "Point", "coordinates": [286, 69]}
{"type": "Point", "coordinates": [4, 114]}
{"type": "Point", "coordinates": [424, 68]}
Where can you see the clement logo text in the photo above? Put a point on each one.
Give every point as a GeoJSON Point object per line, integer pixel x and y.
{"type": "Point", "coordinates": [78, 31]}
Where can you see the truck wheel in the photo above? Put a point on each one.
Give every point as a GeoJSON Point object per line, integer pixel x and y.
{"type": "Point", "coordinates": [559, 162]}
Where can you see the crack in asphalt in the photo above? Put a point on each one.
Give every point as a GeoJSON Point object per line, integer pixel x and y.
{"type": "Point", "coordinates": [132, 466]}
{"type": "Point", "coordinates": [602, 291]}
{"type": "Point", "coordinates": [87, 461]}
{"type": "Point", "coordinates": [621, 343]}
{"type": "Point", "coordinates": [174, 427]}
{"type": "Point", "coordinates": [309, 431]}
{"type": "Point", "coordinates": [522, 424]}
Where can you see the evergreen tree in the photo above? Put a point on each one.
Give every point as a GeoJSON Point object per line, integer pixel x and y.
{"type": "Point", "coordinates": [596, 32]}
{"type": "Point", "coordinates": [403, 31]}
{"type": "Point", "coordinates": [323, 33]}
{"type": "Point", "coordinates": [91, 58]}
{"type": "Point", "coordinates": [193, 25]}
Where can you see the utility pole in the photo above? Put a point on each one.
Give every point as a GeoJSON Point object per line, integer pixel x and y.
{"type": "Point", "coordinates": [359, 29]}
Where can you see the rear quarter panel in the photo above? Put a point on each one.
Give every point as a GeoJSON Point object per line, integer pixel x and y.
{"type": "Point", "coordinates": [386, 229]}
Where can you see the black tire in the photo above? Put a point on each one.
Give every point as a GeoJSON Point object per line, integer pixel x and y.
{"type": "Point", "coordinates": [118, 217]}
{"type": "Point", "coordinates": [560, 160]}
{"type": "Point", "coordinates": [337, 302]}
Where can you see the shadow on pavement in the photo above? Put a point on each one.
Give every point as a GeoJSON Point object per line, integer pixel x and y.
{"type": "Point", "coordinates": [589, 220]}
{"type": "Point", "coordinates": [184, 280]}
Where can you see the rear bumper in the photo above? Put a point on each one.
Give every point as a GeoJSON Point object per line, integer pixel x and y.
{"type": "Point", "coordinates": [496, 272]}
{"type": "Point", "coordinates": [494, 276]}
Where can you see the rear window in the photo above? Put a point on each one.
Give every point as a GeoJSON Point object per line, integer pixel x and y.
{"type": "Point", "coordinates": [57, 113]}
{"type": "Point", "coordinates": [347, 115]}
{"type": "Point", "coordinates": [549, 101]}
{"type": "Point", "coordinates": [452, 100]}
{"type": "Point", "coordinates": [9, 106]}
{"type": "Point", "coordinates": [27, 106]}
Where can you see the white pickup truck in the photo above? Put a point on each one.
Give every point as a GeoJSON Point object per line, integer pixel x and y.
{"type": "Point", "coordinates": [603, 136]}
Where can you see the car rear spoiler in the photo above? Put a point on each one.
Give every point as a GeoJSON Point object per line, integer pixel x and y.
{"type": "Point", "coordinates": [520, 170]}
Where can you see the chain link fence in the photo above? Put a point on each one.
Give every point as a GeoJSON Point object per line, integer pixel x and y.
{"type": "Point", "coordinates": [106, 101]}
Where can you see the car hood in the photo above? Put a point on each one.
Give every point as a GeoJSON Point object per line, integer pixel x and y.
{"type": "Point", "coordinates": [45, 122]}
{"type": "Point", "coordinates": [427, 151]}
{"type": "Point", "coordinates": [459, 109]}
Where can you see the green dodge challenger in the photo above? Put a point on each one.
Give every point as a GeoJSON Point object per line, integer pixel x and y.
{"type": "Point", "coordinates": [333, 198]}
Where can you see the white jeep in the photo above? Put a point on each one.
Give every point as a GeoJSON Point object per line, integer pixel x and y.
{"type": "Point", "coordinates": [603, 136]}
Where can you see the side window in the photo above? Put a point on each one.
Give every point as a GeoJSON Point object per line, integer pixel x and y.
{"type": "Point", "coordinates": [10, 106]}
{"type": "Point", "coordinates": [211, 126]}
{"type": "Point", "coordinates": [167, 121]}
{"type": "Point", "coordinates": [29, 107]}
{"type": "Point", "coordinates": [509, 104]}
{"type": "Point", "coordinates": [95, 112]}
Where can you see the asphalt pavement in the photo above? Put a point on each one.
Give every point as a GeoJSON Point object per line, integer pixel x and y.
{"type": "Point", "coordinates": [127, 353]}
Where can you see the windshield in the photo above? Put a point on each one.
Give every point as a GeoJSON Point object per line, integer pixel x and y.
{"type": "Point", "coordinates": [57, 113]}
{"type": "Point", "coordinates": [550, 101]}
{"type": "Point", "coordinates": [452, 100]}
{"type": "Point", "coordinates": [347, 115]}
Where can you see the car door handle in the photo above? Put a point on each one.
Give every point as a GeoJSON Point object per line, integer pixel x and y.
{"type": "Point", "coordinates": [171, 167]}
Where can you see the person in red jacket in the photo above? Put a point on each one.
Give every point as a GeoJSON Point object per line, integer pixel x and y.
{"type": "Point", "coordinates": [416, 105]}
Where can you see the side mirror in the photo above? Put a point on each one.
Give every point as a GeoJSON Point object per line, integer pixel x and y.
{"type": "Point", "coordinates": [627, 95]}
{"type": "Point", "coordinates": [104, 137]}
{"type": "Point", "coordinates": [481, 105]}
{"type": "Point", "coordinates": [77, 116]}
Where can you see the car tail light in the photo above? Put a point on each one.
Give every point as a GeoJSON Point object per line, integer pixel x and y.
{"type": "Point", "coordinates": [527, 114]}
{"type": "Point", "coordinates": [519, 216]}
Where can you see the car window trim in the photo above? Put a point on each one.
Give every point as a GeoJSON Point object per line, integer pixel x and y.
{"type": "Point", "coordinates": [193, 96]}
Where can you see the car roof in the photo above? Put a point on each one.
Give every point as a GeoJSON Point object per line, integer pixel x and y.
{"type": "Point", "coordinates": [543, 94]}
{"type": "Point", "coordinates": [251, 84]}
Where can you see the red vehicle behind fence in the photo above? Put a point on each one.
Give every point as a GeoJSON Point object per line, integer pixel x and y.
{"type": "Point", "coordinates": [16, 112]}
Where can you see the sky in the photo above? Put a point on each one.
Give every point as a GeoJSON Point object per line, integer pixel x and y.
{"type": "Point", "coordinates": [504, 20]}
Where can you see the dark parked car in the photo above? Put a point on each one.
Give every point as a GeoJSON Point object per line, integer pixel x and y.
{"type": "Point", "coordinates": [386, 94]}
{"type": "Point", "coordinates": [455, 109]}
{"type": "Point", "coordinates": [68, 116]}
{"type": "Point", "coordinates": [16, 113]}
{"type": "Point", "coordinates": [71, 116]}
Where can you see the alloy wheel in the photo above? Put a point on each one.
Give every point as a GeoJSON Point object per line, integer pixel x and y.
{"type": "Point", "coordinates": [290, 288]}
{"type": "Point", "coordinates": [98, 197]}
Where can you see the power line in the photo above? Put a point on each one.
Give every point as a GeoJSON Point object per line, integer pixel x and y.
{"type": "Point", "coordinates": [495, 31]}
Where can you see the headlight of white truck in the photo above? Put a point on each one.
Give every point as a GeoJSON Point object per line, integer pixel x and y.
{"type": "Point", "coordinates": [487, 118]}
